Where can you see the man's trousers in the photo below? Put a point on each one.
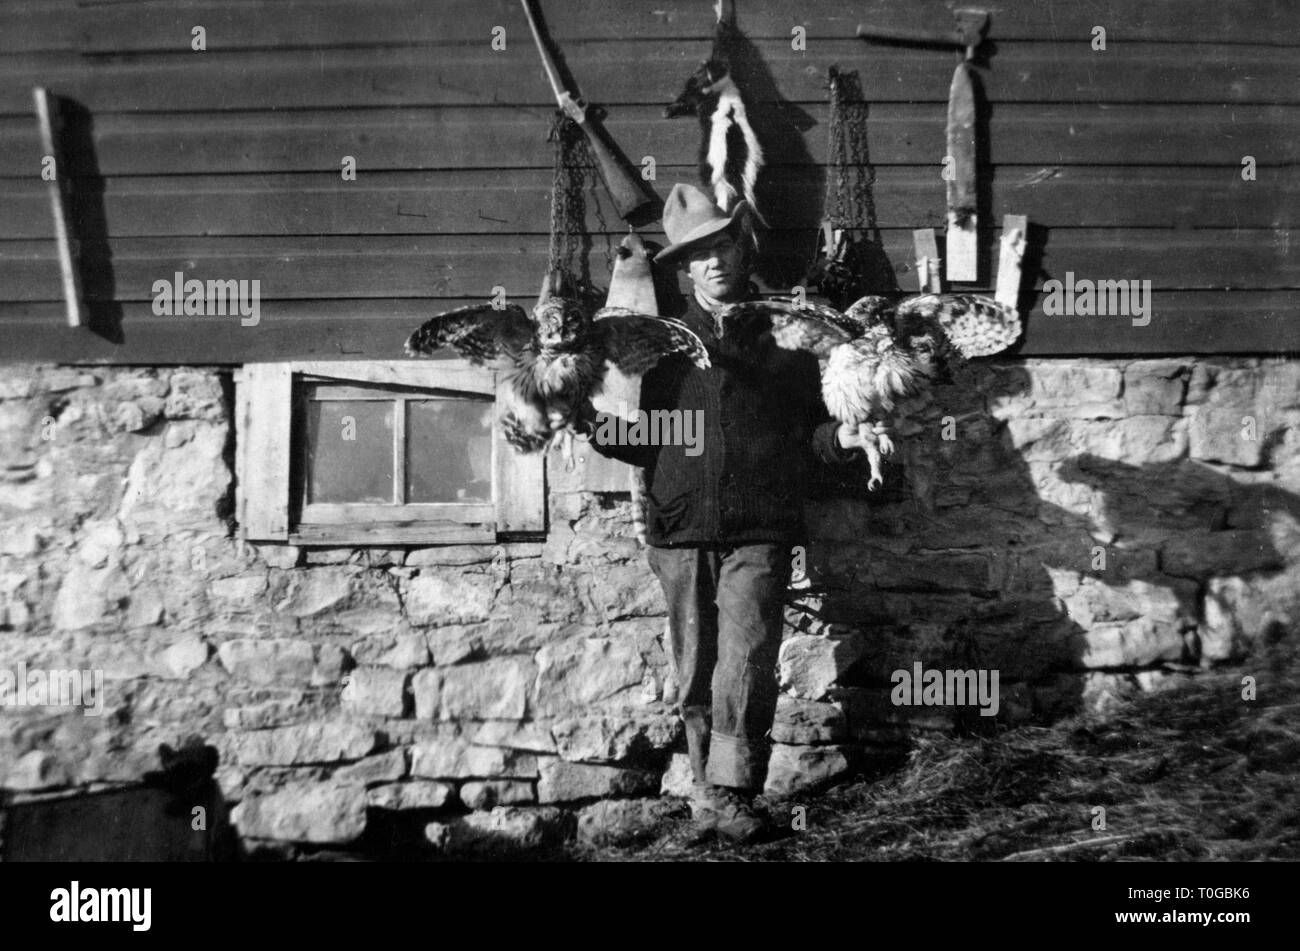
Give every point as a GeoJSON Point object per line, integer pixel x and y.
{"type": "Point", "coordinates": [725, 610]}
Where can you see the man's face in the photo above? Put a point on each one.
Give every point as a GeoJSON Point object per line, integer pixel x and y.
{"type": "Point", "coordinates": [715, 267]}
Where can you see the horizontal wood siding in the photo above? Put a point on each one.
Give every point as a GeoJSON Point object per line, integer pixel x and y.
{"type": "Point", "coordinates": [225, 164]}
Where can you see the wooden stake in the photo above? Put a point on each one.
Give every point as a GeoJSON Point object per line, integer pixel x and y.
{"type": "Point", "coordinates": [928, 262]}
{"type": "Point", "coordinates": [962, 249]}
{"type": "Point", "coordinates": [47, 123]}
{"type": "Point", "coordinates": [1015, 229]}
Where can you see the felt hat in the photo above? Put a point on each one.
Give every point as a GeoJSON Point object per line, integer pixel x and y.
{"type": "Point", "coordinates": [691, 217]}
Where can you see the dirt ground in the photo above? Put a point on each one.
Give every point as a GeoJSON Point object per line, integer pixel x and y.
{"type": "Point", "coordinates": [1193, 774]}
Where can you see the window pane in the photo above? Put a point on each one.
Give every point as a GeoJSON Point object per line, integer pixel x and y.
{"type": "Point", "coordinates": [350, 451]}
{"type": "Point", "coordinates": [449, 451]}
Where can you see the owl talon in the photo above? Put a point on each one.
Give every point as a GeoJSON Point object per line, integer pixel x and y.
{"type": "Point", "coordinates": [563, 441]}
{"type": "Point", "coordinates": [885, 443]}
{"type": "Point", "coordinates": [873, 459]}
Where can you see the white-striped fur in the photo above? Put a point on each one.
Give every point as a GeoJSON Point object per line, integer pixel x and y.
{"type": "Point", "coordinates": [730, 111]}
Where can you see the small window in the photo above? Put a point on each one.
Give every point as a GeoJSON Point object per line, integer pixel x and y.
{"type": "Point", "coordinates": [380, 454]}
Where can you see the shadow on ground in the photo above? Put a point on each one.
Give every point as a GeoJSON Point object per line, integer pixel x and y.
{"type": "Point", "coordinates": [1197, 773]}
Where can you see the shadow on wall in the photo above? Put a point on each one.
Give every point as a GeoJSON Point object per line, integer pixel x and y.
{"type": "Point", "coordinates": [1069, 574]}
{"type": "Point", "coordinates": [152, 822]}
{"type": "Point", "coordinates": [90, 222]}
{"type": "Point", "coordinates": [789, 174]}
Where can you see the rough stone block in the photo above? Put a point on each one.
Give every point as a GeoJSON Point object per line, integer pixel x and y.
{"type": "Point", "coordinates": [794, 769]}
{"type": "Point", "coordinates": [562, 781]}
{"type": "Point", "coordinates": [622, 591]}
{"type": "Point", "coordinates": [449, 555]}
{"type": "Point", "coordinates": [418, 794]}
{"type": "Point", "coordinates": [376, 691]}
{"type": "Point", "coordinates": [328, 742]}
{"type": "Point", "coordinates": [384, 768]}
{"type": "Point", "coordinates": [1221, 435]}
{"type": "Point", "coordinates": [503, 830]}
{"type": "Point", "coordinates": [448, 598]}
{"type": "Point", "coordinates": [1202, 554]}
{"type": "Point", "coordinates": [405, 651]}
{"type": "Point", "coordinates": [805, 722]}
{"type": "Point", "coordinates": [185, 656]}
{"type": "Point", "coordinates": [304, 812]}
{"type": "Point", "coordinates": [615, 737]}
{"type": "Point", "coordinates": [1133, 643]}
{"type": "Point", "coordinates": [178, 481]}
{"type": "Point", "coordinates": [269, 708]}
{"type": "Point", "coordinates": [810, 665]}
{"type": "Point", "coordinates": [621, 820]}
{"type": "Point", "coordinates": [487, 794]}
{"type": "Point", "coordinates": [89, 596]}
{"type": "Point", "coordinates": [678, 778]}
{"type": "Point", "coordinates": [574, 674]}
{"type": "Point", "coordinates": [281, 661]}
{"type": "Point", "coordinates": [540, 593]}
{"type": "Point", "coordinates": [535, 736]}
{"type": "Point", "coordinates": [456, 759]}
{"type": "Point", "coordinates": [1241, 612]}
{"type": "Point", "coordinates": [36, 770]}
{"type": "Point", "coordinates": [489, 690]}
{"type": "Point", "coordinates": [317, 591]}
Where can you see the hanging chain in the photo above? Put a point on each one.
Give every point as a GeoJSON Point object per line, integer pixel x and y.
{"type": "Point", "coordinates": [574, 174]}
{"type": "Point", "coordinates": [849, 187]}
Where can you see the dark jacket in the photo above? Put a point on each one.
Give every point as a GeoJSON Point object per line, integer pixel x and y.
{"type": "Point", "coordinates": [764, 425]}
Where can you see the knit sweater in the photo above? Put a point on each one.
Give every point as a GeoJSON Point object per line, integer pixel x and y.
{"type": "Point", "coordinates": [762, 424]}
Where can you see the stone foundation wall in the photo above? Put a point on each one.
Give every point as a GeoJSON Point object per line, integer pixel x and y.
{"type": "Point", "coordinates": [1086, 528]}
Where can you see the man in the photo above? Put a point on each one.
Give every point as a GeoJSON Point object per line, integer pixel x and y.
{"type": "Point", "coordinates": [721, 521]}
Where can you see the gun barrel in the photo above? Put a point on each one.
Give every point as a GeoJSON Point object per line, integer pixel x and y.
{"type": "Point", "coordinates": [552, 73]}
{"type": "Point", "coordinates": [631, 197]}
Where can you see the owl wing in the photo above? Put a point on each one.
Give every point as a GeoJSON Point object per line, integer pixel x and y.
{"type": "Point", "coordinates": [975, 325]}
{"type": "Point", "coordinates": [635, 342]}
{"type": "Point", "coordinates": [870, 312]}
{"type": "Point", "coordinates": [808, 308]}
{"type": "Point", "coordinates": [793, 325]}
{"type": "Point", "coordinates": [480, 333]}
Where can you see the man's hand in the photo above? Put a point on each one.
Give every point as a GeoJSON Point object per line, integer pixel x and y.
{"type": "Point", "coordinates": [848, 437]}
{"type": "Point", "coordinates": [584, 420]}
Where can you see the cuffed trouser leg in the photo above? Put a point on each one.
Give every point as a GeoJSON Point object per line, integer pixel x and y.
{"type": "Point", "coordinates": [724, 619]}
{"type": "Point", "coordinates": [751, 591]}
{"type": "Point", "coordinates": [689, 579]}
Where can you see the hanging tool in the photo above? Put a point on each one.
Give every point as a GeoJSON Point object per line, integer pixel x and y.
{"type": "Point", "coordinates": [959, 160]}
{"type": "Point", "coordinates": [959, 170]}
{"type": "Point", "coordinates": [48, 124]}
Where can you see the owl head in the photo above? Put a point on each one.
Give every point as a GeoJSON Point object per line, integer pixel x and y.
{"type": "Point", "coordinates": [560, 322]}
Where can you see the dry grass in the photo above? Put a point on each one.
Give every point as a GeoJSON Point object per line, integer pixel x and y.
{"type": "Point", "coordinates": [1196, 773]}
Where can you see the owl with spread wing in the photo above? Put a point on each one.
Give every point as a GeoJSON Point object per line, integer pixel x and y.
{"type": "Point", "coordinates": [555, 361]}
{"type": "Point", "coordinates": [877, 353]}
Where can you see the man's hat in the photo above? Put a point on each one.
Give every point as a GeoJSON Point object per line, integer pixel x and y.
{"type": "Point", "coordinates": [691, 217]}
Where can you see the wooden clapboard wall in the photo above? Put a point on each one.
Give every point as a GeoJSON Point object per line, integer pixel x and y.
{"type": "Point", "coordinates": [226, 163]}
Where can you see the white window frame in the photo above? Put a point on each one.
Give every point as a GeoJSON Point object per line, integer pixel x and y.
{"type": "Point", "coordinates": [264, 463]}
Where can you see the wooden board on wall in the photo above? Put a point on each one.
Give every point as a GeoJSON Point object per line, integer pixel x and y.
{"type": "Point", "coordinates": [1183, 322]}
{"type": "Point", "coordinates": [300, 268]}
{"type": "Point", "coordinates": [518, 202]}
{"type": "Point", "coordinates": [357, 78]}
{"type": "Point", "coordinates": [225, 164]}
{"type": "Point", "coordinates": [114, 26]}
{"type": "Point", "coordinates": [195, 142]}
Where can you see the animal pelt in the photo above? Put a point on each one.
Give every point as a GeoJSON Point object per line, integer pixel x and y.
{"type": "Point", "coordinates": [730, 156]}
